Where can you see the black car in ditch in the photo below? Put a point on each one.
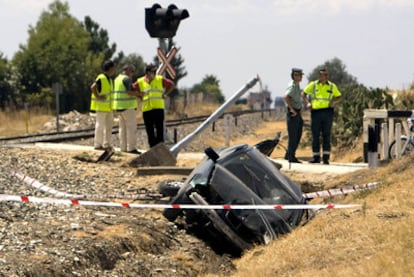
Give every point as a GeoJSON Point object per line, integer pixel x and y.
{"type": "Point", "coordinates": [238, 175]}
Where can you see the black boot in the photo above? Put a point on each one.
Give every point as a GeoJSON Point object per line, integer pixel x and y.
{"type": "Point", "coordinates": [294, 160]}
{"type": "Point", "coordinates": [315, 160]}
{"type": "Point", "coordinates": [325, 159]}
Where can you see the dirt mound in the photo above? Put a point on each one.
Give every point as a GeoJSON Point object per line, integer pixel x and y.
{"type": "Point", "coordinates": [70, 122]}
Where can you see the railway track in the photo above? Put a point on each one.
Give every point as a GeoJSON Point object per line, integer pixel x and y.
{"type": "Point", "coordinates": [89, 132]}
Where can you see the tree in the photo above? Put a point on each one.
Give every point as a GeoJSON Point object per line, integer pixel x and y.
{"type": "Point", "coordinates": [337, 73]}
{"type": "Point", "coordinates": [99, 42]}
{"type": "Point", "coordinates": [52, 55]}
{"type": "Point", "coordinates": [210, 87]}
{"type": "Point", "coordinates": [348, 123]}
{"type": "Point", "coordinates": [137, 61]}
{"type": "Point", "coordinates": [6, 89]}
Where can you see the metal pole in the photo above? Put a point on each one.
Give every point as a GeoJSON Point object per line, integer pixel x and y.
{"type": "Point", "coordinates": [26, 116]}
{"type": "Point", "coordinates": [176, 148]}
{"type": "Point", "coordinates": [164, 47]}
{"type": "Point", "coordinates": [57, 88]}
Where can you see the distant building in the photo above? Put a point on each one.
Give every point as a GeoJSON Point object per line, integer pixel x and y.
{"type": "Point", "coordinates": [259, 100]}
{"type": "Point", "coordinates": [279, 102]}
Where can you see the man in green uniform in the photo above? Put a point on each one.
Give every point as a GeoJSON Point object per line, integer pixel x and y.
{"type": "Point", "coordinates": [294, 119]}
{"type": "Point", "coordinates": [324, 95]}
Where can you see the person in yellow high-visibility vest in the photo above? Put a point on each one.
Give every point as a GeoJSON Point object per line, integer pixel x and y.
{"type": "Point", "coordinates": [124, 104]}
{"type": "Point", "coordinates": [101, 90]}
{"type": "Point", "coordinates": [154, 89]}
{"type": "Point", "coordinates": [324, 95]}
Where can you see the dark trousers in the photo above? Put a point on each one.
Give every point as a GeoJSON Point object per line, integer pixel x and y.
{"type": "Point", "coordinates": [294, 127]}
{"type": "Point", "coordinates": [154, 125]}
{"type": "Point", "coordinates": [321, 122]}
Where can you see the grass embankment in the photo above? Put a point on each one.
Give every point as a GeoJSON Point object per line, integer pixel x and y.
{"type": "Point", "coordinates": [374, 240]}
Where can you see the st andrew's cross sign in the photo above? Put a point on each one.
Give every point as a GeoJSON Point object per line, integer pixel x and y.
{"type": "Point", "coordinates": [165, 61]}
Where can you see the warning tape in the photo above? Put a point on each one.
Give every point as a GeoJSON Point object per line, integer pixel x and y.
{"type": "Point", "coordinates": [36, 184]}
{"type": "Point", "coordinates": [27, 199]}
{"type": "Point", "coordinates": [344, 190]}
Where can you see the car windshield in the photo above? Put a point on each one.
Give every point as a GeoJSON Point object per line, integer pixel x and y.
{"type": "Point", "coordinates": [232, 190]}
{"type": "Point", "coordinates": [261, 176]}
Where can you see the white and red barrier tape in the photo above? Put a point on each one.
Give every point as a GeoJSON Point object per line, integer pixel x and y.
{"type": "Point", "coordinates": [344, 190]}
{"type": "Point", "coordinates": [34, 183]}
{"type": "Point", "coordinates": [27, 199]}
{"type": "Point", "coordinates": [38, 185]}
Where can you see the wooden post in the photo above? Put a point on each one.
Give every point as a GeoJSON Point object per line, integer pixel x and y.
{"type": "Point", "coordinates": [227, 119]}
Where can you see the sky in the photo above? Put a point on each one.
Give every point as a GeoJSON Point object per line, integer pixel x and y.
{"type": "Point", "coordinates": [237, 40]}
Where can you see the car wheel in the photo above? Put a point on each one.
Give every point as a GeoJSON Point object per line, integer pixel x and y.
{"type": "Point", "coordinates": [169, 188]}
{"type": "Point", "coordinates": [172, 214]}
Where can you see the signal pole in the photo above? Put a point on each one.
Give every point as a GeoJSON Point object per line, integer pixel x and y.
{"type": "Point", "coordinates": [162, 23]}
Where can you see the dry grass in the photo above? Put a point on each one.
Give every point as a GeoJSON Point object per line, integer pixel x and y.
{"type": "Point", "coordinates": [403, 99]}
{"type": "Point", "coordinates": [375, 240]}
{"type": "Point", "coordinates": [199, 109]}
{"type": "Point", "coordinates": [14, 123]}
{"type": "Point", "coordinates": [109, 232]}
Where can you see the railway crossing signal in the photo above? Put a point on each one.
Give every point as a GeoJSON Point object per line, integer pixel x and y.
{"type": "Point", "coordinates": [163, 23]}
{"type": "Point", "coordinates": [165, 61]}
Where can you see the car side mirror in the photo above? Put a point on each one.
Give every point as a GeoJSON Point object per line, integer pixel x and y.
{"type": "Point", "coordinates": [211, 154]}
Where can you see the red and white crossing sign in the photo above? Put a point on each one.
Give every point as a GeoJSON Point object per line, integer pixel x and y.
{"type": "Point", "coordinates": [165, 61]}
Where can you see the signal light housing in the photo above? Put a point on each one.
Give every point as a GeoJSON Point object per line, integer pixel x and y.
{"type": "Point", "coordinates": [163, 22]}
